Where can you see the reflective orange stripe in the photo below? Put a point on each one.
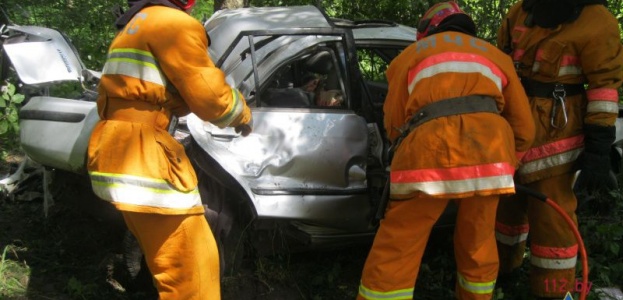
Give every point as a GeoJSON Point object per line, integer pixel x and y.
{"type": "Point", "coordinates": [553, 148]}
{"type": "Point", "coordinates": [554, 252]}
{"type": "Point", "coordinates": [603, 94]}
{"type": "Point", "coordinates": [518, 54]}
{"type": "Point", "coordinates": [565, 60]}
{"type": "Point", "coordinates": [447, 174]}
{"type": "Point", "coordinates": [511, 235]}
{"type": "Point", "coordinates": [512, 229]}
{"type": "Point", "coordinates": [487, 177]}
{"type": "Point", "coordinates": [520, 154]}
{"type": "Point", "coordinates": [461, 62]}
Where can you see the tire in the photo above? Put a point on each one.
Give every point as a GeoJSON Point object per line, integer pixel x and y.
{"type": "Point", "coordinates": [230, 240]}
{"type": "Point", "coordinates": [227, 212]}
{"type": "Point", "coordinates": [226, 224]}
{"type": "Point", "coordinates": [232, 244]}
{"type": "Point", "coordinates": [139, 279]}
{"type": "Point", "coordinates": [133, 259]}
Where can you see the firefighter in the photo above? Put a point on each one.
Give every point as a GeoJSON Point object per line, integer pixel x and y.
{"type": "Point", "coordinates": [569, 57]}
{"type": "Point", "coordinates": [459, 120]}
{"type": "Point", "coordinates": [158, 67]}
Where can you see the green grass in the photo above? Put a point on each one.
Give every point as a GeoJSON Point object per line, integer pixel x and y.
{"type": "Point", "coordinates": [70, 255]}
{"type": "Point", "coordinates": [14, 275]}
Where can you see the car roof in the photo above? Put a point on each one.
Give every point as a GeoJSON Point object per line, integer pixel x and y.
{"type": "Point", "coordinates": [224, 26]}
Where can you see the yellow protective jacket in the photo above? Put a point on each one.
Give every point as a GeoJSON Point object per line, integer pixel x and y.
{"type": "Point", "coordinates": [463, 155]}
{"type": "Point", "coordinates": [157, 66]}
{"type": "Point", "coordinates": [587, 51]}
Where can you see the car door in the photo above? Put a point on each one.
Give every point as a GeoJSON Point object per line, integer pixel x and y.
{"type": "Point", "coordinates": [303, 161]}
{"type": "Point", "coordinates": [54, 131]}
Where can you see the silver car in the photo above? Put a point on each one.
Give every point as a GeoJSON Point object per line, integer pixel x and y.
{"type": "Point", "coordinates": [310, 175]}
{"type": "Point", "coordinates": [312, 172]}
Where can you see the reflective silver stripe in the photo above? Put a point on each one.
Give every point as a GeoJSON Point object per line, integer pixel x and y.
{"type": "Point", "coordinates": [569, 70]}
{"type": "Point", "coordinates": [457, 67]}
{"type": "Point", "coordinates": [454, 186]}
{"type": "Point", "coordinates": [134, 63]}
{"type": "Point", "coordinates": [234, 113]}
{"type": "Point", "coordinates": [554, 263]}
{"type": "Point", "coordinates": [391, 295]}
{"type": "Point", "coordinates": [510, 240]}
{"type": "Point", "coordinates": [602, 106]}
{"type": "Point", "coordinates": [476, 287]}
{"type": "Point", "coordinates": [566, 70]}
{"type": "Point", "coordinates": [550, 161]}
{"type": "Point", "coordinates": [143, 191]}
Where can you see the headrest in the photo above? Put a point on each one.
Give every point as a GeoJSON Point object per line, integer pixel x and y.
{"type": "Point", "coordinates": [320, 63]}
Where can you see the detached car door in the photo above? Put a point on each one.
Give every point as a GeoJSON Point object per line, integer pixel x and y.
{"type": "Point", "coordinates": [53, 131]}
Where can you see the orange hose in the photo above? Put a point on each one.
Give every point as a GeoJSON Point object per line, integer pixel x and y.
{"type": "Point", "coordinates": [578, 237]}
{"type": "Point", "coordinates": [574, 229]}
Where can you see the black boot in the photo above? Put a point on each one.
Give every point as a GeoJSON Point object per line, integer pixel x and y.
{"type": "Point", "coordinates": [509, 282]}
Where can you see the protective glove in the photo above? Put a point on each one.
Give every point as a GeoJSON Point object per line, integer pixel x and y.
{"type": "Point", "coordinates": [245, 129]}
{"type": "Point", "coordinates": [595, 174]}
{"type": "Point", "coordinates": [595, 167]}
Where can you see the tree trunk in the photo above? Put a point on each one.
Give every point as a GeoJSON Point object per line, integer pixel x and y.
{"type": "Point", "coordinates": [223, 4]}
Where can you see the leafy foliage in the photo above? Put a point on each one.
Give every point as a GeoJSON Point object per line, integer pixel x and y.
{"type": "Point", "coordinates": [88, 23]}
{"type": "Point", "coordinates": [203, 10]}
{"type": "Point", "coordinates": [602, 229]}
{"type": "Point", "coordinates": [9, 121]}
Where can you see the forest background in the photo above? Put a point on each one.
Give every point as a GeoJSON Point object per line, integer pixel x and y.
{"type": "Point", "coordinates": [89, 24]}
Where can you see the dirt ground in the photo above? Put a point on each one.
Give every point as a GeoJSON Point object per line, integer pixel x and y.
{"type": "Point", "coordinates": [72, 255]}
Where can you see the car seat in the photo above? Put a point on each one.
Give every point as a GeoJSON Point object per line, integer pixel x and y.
{"type": "Point", "coordinates": [322, 63]}
{"type": "Point", "coordinates": [290, 97]}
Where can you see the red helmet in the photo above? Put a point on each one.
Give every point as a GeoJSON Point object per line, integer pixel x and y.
{"type": "Point", "coordinates": [183, 4]}
{"type": "Point", "coordinates": [435, 15]}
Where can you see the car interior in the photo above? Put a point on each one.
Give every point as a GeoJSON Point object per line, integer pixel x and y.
{"type": "Point", "coordinates": [286, 89]}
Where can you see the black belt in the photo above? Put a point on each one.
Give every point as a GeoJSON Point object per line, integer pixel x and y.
{"type": "Point", "coordinates": [453, 106]}
{"type": "Point", "coordinates": [444, 108]}
{"type": "Point", "coordinates": [535, 88]}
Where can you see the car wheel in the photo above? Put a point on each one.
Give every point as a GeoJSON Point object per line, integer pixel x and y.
{"type": "Point", "coordinates": [228, 227]}
{"type": "Point", "coordinates": [230, 240]}
{"type": "Point", "coordinates": [226, 210]}
{"type": "Point", "coordinates": [231, 247]}
{"type": "Point", "coordinates": [135, 268]}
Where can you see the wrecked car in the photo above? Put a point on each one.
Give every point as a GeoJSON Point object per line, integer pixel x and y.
{"type": "Point", "coordinates": [310, 175]}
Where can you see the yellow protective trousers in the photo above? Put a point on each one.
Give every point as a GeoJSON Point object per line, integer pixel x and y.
{"type": "Point", "coordinates": [553, 247]}
{"type": "Point", "coordinates": [181, 254]}
{"type": "Point", "coordinates": [392, 267]}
